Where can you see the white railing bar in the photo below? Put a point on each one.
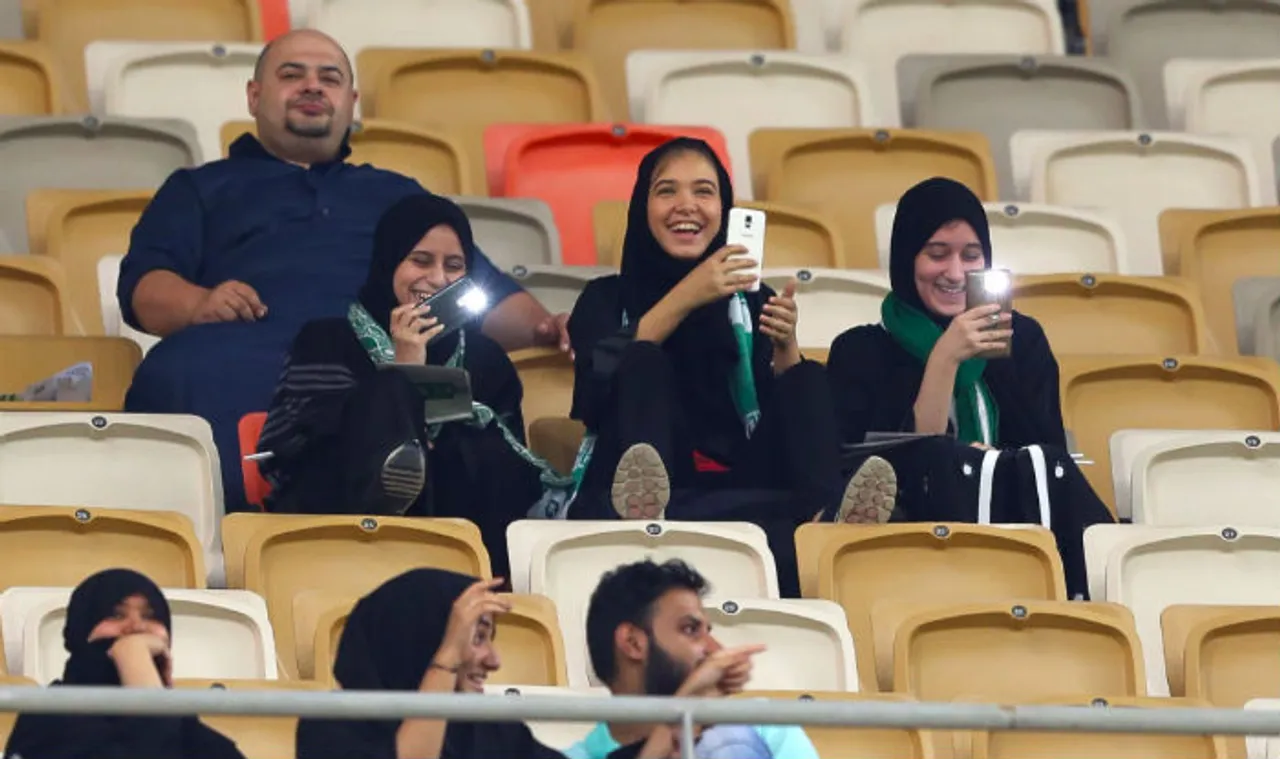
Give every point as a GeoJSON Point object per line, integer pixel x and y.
{"type": "Point", "coordinates": [496, 708]}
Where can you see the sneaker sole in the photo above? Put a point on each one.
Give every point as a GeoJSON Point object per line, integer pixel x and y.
{"type": "Point", "coordinates": [871, 494]}
{"type": "Point", "coordinates": [404, 474]}
{"type": "Point", "coordinates": [641, 485]}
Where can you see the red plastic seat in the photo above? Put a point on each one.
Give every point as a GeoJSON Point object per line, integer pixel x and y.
{"type": "Point", "coordinates": [250, 428]}
{"type": "Point", "coordinates": [573, 167]}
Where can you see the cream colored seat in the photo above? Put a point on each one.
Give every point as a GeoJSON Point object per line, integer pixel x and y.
{"type": "Point", "coordinates": [556, 735]}
{"type": "Point", "coordinates": [255, 737]}
{"type": "Point", "coordinates": [513, 231]}
{"type": "Point", "coordinates": [809, 643]}
{"type": "Point", "coordinates": [113, 323]}
{"type": "Point", "coordinates": [423, 23]}
{"type": "Point", "coordinates": [832, 300]}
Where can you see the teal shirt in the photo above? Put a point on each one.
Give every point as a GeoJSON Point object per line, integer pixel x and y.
{"type": "Point", "coordinates": [782, 742]}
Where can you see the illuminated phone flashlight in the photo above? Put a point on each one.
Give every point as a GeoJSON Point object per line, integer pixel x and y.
{"type": "Point", "coordinates": [474, 300]}
{"type": "Point", "coordinates": [996, 281]}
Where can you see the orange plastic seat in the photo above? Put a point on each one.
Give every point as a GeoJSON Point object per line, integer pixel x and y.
{"type": "Point", "coordinates": [256, 488]}
{"type": "Point", "coordinates": [573, 167]}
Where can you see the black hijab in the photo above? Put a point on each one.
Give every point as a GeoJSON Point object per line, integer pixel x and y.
{"type": "Point", "coordinates": [703, 347]}
{"type": "Point", "coordinates": [399, 230]}
{"type": "Point", "coordinates": [389, 641]}
{"type": "Point", "coordinates": [87, 736]}
{"type": "Point", "coordinates": [923, 210]}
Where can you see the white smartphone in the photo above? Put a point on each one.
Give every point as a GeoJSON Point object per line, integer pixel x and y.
{"type": "Point", "coordinates": [746, 228]}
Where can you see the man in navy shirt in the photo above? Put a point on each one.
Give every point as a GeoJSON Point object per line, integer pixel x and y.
{"type": "Point", "coordinates": [231, 258]}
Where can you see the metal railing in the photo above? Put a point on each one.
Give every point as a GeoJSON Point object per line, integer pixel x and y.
{"type": "Point", "coordinates": [361, 705]}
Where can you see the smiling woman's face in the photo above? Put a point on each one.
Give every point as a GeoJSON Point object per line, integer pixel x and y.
{"type": "Point", "coordinates": [684, 205]}
{"type": "Point", "coordinates": [941, 265]}
{"type": "Point", "coordinates": [436, 261]}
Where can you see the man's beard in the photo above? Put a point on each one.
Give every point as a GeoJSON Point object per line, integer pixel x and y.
{"type": "Point", "coordinates": [663, 675]}
{"type": "Point", "coordinates": [318, 130]}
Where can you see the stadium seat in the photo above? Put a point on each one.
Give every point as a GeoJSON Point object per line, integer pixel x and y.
{"type": "Point", "coordinates": [1140, 36]}
{"type": "Point", "coordinates": [573, 167]}
{"type": "Point", "coordinates": [248, 430]}
{"type": "Point", "coordinates": [85, 153]}
{"type": "Point", "coordinates": [475, 88]}
{"type": "Point", "coordinates": [530, 643]}
{"type": "Point", "coordinates": [34, 358]}
{"type": "Point", "coordinates": [845, 174]}
{"type": "Point", "coordinates": [880, 33]}
{"type": "Point", "coordinates": [33, 297]}
{"type": "Point", "coordinates": [1151, 568]}
{"type": "Point", "coordinates": [1207, 478]}
{"type": "Point", "coordinates": [200, 82]}
{"type": "Point", "coordinates": [216, 633]}
{"type": "Point", "coordinates": [810, 647]}
{"type": "Point", "coordinates": [423, 23]}
{"type": "Point", "coordinates": [1001, 94]}
{"type": "Point", "coordinates": [11, 28]}
{"type": "Point", "coordinates": [832, 300]}
{"type": "Point", "coordinates": [1136, 176]}
{"type": "Point", "coordinates": [1215, 249]}
{"type": "Point", "coordinates": [67, 26]}
{"type": "Point", "coordinates": [1127, 445]}
{"type": "Point", "coordinates": [558, 287]}
{"type": "Point", "coordinates": [608, 30]}
{"type": "Point", "coordinates": [737, 92]}
{"type": "Point", "coordinates": [283, 556]}
{"type": "Point", "coordinates": [1226, 97]}
{"type": "Point", "coordinates": [1013, 651]}
{"type": "Point", "coordinates": [54, 546]}
{"type": "Point", "coordinates": [113, 323]}
{"type": "Point", "coordinates": [256, 737]}
{"type": "Point", "coordinates": [1030, 744]}
{"type": "Point", "coordinates": [513, 231]}
{"type": "Point", "coordinates": [28, 84]}
{"type": "Point", "coordinates": [547, 377]}
{"type": "Point", "coordinates": [437, 159]}
{"type": "Point", "coordinates": [78, 228]}
{"type": "Point", "coordinates": [8, 718]}
{"type": "Point", "coordinates": [1034, 238]}
{"type": "Point", "coordinates": [797, 237]}
{"type": "Point", "coordinates": [330, 621]}
{"type": "Point", "coordinates": [1221, 654]}
{"type": "Point", "coordinates": [564, 561]}
{"type": "Point", "coordinates": [555, 734]}
{"type": "Point", "coordinates": [1106, 313]}
{"type": "Point", "coordinates": [1102, 394]}
{"type": "Point", "coordinates": [145, 462]}
{"type": "Point", "coordinates": [1256, 301]}
{"type": "Point", "coordinates": [834, 742]}
{"type": "Point", "coordinates": [858, 566]}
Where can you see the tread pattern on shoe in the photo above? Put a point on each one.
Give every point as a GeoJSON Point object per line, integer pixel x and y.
{"type": "Point", "coordinates": [641, 485]}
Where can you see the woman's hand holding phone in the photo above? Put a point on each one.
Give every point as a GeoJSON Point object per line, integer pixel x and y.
{"type": "Point", "coordinates": [974, 332]}
{"type": "Point", "coordinates": [411, 329]}
{"type": "Point", "coordinates": [719, 276]}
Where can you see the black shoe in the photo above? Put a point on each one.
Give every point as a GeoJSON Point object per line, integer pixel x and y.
{"type": "Point", "coordinates": [404, 474]}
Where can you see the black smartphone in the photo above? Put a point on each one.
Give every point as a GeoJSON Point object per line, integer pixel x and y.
{"type": "Point", "coordinates": [456, 305]}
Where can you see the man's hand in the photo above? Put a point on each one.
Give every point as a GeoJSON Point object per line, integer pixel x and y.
{"type": "Point", "coordinates": [553, 332]}
{"type": "Point", "coordinates": [228, 302]}
{"type": "Point", "coordinates": [723, 673]}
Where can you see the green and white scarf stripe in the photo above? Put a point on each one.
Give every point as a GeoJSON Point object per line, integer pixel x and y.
{"type": "Point", "coordinates": [742, 385]}
{"type": "Point", "coordinates": [374, 339]}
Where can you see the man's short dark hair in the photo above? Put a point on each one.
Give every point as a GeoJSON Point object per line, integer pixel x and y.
{"type": "Point", "coordinates": [628, 594]}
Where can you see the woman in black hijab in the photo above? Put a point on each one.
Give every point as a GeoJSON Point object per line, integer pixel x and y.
{"type": "Point", "coordinates": [921, 370]}
{"type": "Point", "coordinates": [430, 631]}
{"type": "Point", "coordinates": [697, 401]}
{"type": "Point", "coordinates": [346, 437]}
{"type": "Point", "coordinates": [117, 632]}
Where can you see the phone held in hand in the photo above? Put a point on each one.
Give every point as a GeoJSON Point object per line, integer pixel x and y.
{"type": "Point", "coordinates": [746, 228]}
{"type": "Point", "coordinates": [985, 287]}
{"type": "Point", "coordinates": [456, 305]}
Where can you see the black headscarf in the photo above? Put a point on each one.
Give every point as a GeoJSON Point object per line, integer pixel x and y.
{"type": "Point", "coordinates": [923, 210]}
{"type": "Point", "coordinates": [704, 349]}
{"type": "Point", "coordinates": [89, 736]}
{"type": "Point", "coordinates": [94, 600]}
{"type": "Point", "coordinates": [398, 232]}
{"type": "Point", "coordinates": [389, 641]}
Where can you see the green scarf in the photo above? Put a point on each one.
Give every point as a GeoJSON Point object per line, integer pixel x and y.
{"type": "Point", "coordinates": [977, 416]}
{"type": "Point", "coordinates": [374, 339]}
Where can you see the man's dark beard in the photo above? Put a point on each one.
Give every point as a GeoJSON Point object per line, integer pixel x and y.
{"type": "Point", "coordinates": [663, 675]}
{"type": "Point", "coordinates": [315, 131]}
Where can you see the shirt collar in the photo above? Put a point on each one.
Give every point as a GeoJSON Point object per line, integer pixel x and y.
{"type": "Point", "coordinates": [248, 146]}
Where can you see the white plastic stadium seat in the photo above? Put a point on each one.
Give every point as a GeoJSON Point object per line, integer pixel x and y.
{"type": "Point", "coordinates": [832, 300]}
{"type": "Point", "coordinates": [513, 231]}
{"type": "Point", "coordinates": [1234, 97]}
{"type": "Point", "coordinates": [1136, 175]}
{"type": "Point", "coordinates": [423, 23]}
{"type": "Point", "coordinates": [113, 323]}
{"type": "Point", "coordinates": [143, 462]}
{"type": "Point", "coordinates": [557, 735]}
{"type": "Point", "coordinates": [1215, 477]}
{"type": "Point", "coordinates": [222, 634]}
{"type": "Point", "coordinates": [810, 646]}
